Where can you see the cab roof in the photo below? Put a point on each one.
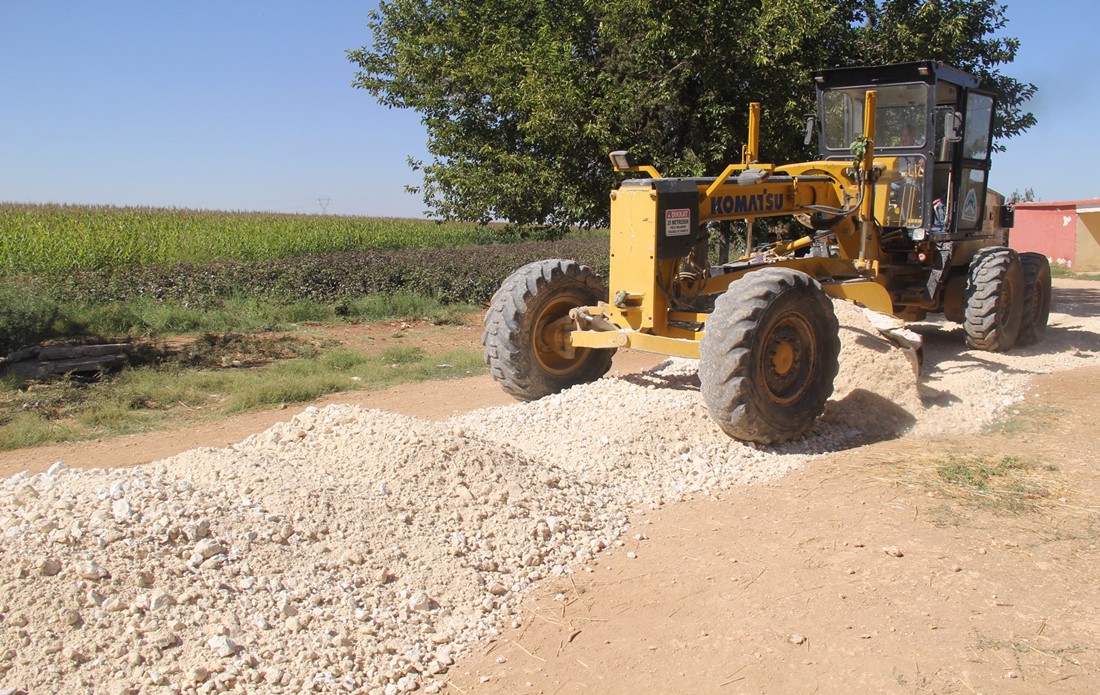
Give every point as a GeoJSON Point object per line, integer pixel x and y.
{"type": "Point", "coordinates": [928, 71]}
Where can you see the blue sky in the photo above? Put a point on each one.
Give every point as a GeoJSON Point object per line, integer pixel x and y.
{"type": "Point", "coordinates": [247, 105]}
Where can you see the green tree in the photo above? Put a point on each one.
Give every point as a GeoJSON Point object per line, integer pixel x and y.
{"type": "Point", "coordinates": [523, 101]}
{"type": "Point", "coordinates": [959, 32]}
{"type": "Point", "coordinates": [1028, 196]}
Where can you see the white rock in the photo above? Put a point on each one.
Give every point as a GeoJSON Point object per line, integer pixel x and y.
{"type": "Point", "coordinates": [164, 639]}
{"type": "Point", "coordinates": [74, 655]}
{"type": "Point", "coordinates": [286, 608]}
{"type": "Point", "coordinates": [273, 675]}
{"type": "Point", "coordinates": [159, 600]}
{"type": "Point", "coordinates": [207, 548]}
{"type": "Point", "coordinates": [120, 509]}
{"type": "Point", "coordinates": [114, 605]}
{"type": "Point", "coordinates": [71, 617]}
{"type": "Point", "coordinates": [222, 646]}
{"type": "Point", "coordinates": [48, 566]}
{"type": "Point", "coordinates": [90, 570]}
{"type": "Point", "coordinates": [420, 602]}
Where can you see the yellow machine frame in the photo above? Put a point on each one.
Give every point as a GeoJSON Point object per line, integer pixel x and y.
{"type": "Point", "coordinates": [641, 315]}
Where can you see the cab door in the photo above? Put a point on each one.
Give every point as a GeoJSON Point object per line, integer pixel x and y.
{"type": "Point", "coordinates": [974, 154]}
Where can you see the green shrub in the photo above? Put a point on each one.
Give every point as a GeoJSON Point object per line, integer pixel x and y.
{"type": "Point", "coordinates": [459, 275]}
{"type": "Point", "coordinates": [27, 315]}
{"type": "Point", "coordinates": [269, 295]}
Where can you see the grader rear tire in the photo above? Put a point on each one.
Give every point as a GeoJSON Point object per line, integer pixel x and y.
{"type": "Point", "coordinates": [526, 325]}
{"type": "Point", "coordinates": [769, 356]}
{"type": "Point", "coordinates": [994, 299]}
{"type": "Point", "coordinates": [1033, 326]}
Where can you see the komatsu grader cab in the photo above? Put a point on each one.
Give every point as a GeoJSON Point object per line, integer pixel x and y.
{"type": "Point", "coordinates": [895, 214]}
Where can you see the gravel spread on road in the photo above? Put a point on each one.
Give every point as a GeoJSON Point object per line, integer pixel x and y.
{"type": "Point", "coordinates": [356, 550]}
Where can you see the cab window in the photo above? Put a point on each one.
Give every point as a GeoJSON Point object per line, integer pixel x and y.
{"type": "Point", "coordinates": [901, 116]}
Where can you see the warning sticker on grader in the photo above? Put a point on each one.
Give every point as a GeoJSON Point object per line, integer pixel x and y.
{"type": "Point", "coordinates": [970, 207]}
{"type": "Point", "coordinates": [678, 222]}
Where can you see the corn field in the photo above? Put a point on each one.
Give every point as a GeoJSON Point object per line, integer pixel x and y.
{"type": "Point", "coordinates": [63, 238]}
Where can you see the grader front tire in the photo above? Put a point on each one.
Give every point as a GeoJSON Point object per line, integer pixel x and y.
{"type": "Point", "coordinates": [769, 356]}
{"type": "Point", "coordinates": [994, 300]}
{"type": "Point", "coordinates": [525, 328]}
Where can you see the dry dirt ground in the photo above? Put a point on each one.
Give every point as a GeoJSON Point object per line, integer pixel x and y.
{"type": "Point", "coordinates": [793, 587]}
{"type": "Point", "coordinates": [863, 572]}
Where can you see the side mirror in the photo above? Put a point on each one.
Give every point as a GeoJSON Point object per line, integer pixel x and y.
{"type": "Point", "coordinates": [811, 120]}
{"type": "Point", "coordinates": [952, 126]}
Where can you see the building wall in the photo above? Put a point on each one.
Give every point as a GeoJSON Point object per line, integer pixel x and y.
{"type": "Point", "coordinates": [1049, 229]}
{"type": "Point", "coordinates": [1087, 258]}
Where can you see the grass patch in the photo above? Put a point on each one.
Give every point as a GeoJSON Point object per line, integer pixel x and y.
{"type": "Point", "coordinates": [1026, 418]}
{"type": "Point", "coordinates": [23, 430]}
{"type": "Point", "coordinates": [401, 355]}
{"type": "Point", "coordinates": [946, 515]}
{"type": "Point", "coordinates": [29, 316]}
{"type": "Point", "coordinates": [206, 381]}
{"type": "Point", "coordinates": [400, 305]}
{"type": "Point", "coordinates": [296, 381]}
{"type": "Point", "coordinates": [1008, 484]}
{"type": "Point", "coordinates": [1060, 272]}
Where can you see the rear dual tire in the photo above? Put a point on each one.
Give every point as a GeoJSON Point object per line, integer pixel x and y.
{"type": "Point", "coordinates": [1037, 293]}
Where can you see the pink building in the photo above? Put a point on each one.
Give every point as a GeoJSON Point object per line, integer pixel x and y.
{"type": "Point", "coordinates": [1067, 232]}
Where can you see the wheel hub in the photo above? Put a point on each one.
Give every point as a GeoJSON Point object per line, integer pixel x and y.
{"type": "Point", "coordinates": [788, 359]}
{"type": "Point", "coordinates": [783, 358]}
{"type": "Point", "coordinates": [550, 339]}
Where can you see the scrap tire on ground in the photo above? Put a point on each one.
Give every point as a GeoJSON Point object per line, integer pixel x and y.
{"type": "Point", "coordinates": [1033, 326]}
{"type": "Point", "coordinates": [994, 299]}
{"type": "Point", "coordinates": [769, 355]}
{"type": "Point", "coordinates": [522, 344]}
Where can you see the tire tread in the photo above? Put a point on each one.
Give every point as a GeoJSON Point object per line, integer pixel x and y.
{"type": "Point", "coordinates": [727, 353]}
{"type": "Point", "coordinates": [506, 349]}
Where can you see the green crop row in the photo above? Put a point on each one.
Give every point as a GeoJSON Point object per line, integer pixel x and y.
{"type": "Point", "coordinates": [57, 239]}
{"type": "Point", "coordinates": [467, 274]}
{"type": "Point", "coordinates": [37, 307]}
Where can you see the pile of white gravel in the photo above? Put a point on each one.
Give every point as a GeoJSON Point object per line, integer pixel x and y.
{"type": "Point", "coordinates": [355, 550]}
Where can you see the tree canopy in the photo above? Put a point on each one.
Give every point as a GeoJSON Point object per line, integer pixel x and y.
{"type": "Point", "coordinates": [523, 101]}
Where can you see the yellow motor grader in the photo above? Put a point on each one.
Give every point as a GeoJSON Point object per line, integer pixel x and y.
{"type": "Point", "coordinates": [896, 215]}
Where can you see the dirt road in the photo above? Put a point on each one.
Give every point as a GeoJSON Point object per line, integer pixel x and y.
{"type": "Point", "coordinates": [789, 588]}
